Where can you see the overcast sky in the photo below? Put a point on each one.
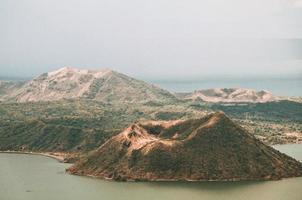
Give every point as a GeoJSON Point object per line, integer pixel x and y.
{"type": "Point", "coordinates": [152, 38]}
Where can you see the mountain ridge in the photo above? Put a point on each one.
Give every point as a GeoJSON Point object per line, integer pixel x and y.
{"type": "Point", "coordinates": [230, 95]}
{"type": "Point", "coordinates": [102, 85]}
{"type": "Point", "coordinates": [109, 85]}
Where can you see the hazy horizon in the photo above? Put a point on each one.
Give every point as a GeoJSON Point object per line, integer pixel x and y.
{"type": "Point", "coordinates": [161, 39]}
{"type": "Point", "coordinates": [180, 79]}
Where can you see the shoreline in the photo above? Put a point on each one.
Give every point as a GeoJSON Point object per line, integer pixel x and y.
{"type": "Point", "coordinates": [57, 156]}
{"type": "Point", "coordinates": [231, 180]}
{"type": "Point", "coordinates": [61, 157]}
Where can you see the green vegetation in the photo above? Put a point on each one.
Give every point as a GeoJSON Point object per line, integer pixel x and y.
{"type": "Point", "coordinates": [277, 122]}
{"type": "Point", "coordinates": [73, 125]}
{"type": "Point", "coordinates": [83, 125]}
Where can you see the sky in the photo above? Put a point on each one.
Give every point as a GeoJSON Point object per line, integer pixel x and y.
{"type": "Point", "coordinates": [152, 38]}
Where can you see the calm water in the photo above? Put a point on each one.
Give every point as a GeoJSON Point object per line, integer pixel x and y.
{"type": "Point", "coordinates": [30, 177]}
{"type": "Point", "coordinates": [280, 87]}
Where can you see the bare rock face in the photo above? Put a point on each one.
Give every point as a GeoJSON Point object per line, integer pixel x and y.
{"type": "Point", "coordinates": [101, 85]}
{"type": "Point", "coordinates": [230, 95]}
{"type": "Point", "coordinates": [211, 148]}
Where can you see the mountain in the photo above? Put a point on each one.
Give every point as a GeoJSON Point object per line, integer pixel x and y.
{"type": "Point", "coordinates": [209, 148]}
{"type": "Point", "coordinates": [229, 95]}
{"type": "Point", "coordinates": [7, 88]}
{"type": "Point", "coordinates": [101, 85]}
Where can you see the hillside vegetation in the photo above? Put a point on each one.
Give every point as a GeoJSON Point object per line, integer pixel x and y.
{"type": "Point", "coordinates": [75, 125]}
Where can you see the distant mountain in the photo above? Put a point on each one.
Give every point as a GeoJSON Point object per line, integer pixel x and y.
{"type": "Point", "coordinates": [208, 148]}
{"type": "Point", "coordinates": [7, 88]}
{"type": "Point", "coordinates": [101, 85]}
{"type": "Point", "coordinates": [229, 95]}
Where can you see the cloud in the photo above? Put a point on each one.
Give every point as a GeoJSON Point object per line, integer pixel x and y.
{"type": "Point", "coordinates": [296, 3]}
{"type": "Point", "coordinates": [151, 37]}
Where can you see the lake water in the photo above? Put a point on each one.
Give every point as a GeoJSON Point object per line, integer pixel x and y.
{"type": "Point", "coordinates": [279, 87]}
{"type": "Point", "coordinates": [29, 177]}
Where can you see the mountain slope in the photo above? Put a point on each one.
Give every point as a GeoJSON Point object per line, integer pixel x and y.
{"type": "Point", "coordinates": [230, 95]}
{"type": "Point", "coordinates": [101, 85]}
{"type": "Point", "coordinates": [209, 148]}
{"type": "Point", "coordinates": [7, 88]}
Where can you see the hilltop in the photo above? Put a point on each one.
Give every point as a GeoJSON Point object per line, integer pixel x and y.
{"type": "Point", "coordinates": [210, 148]}
{"type": "Point", "coordinates": [71, 83]}
{"type": "Point", "coordinates": [230, 95]}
